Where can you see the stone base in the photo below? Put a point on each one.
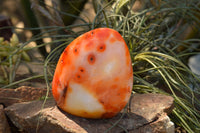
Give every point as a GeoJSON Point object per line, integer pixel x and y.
{"type": "Point", "coordinates": [147, 113]}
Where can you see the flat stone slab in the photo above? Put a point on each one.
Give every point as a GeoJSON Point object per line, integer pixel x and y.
{"type": "Point", "coordinates": [21, 94]}
{"type": "Point", "coordinates": [148, 112]}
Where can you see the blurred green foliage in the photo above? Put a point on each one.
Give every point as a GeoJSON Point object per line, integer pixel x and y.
{"type": "Point", "coordinates": [10, 63]}
{"type": "Point", "coordinates": [62, 13]}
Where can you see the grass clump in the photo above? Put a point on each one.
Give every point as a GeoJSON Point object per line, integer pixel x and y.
{"type": "Point", "coordinates": [10, 64]}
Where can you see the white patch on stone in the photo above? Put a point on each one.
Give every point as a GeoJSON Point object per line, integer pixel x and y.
{"type": "Point", "coordinates": [81, 100]}
{"type": "Point", "coordinates": [109, 67]}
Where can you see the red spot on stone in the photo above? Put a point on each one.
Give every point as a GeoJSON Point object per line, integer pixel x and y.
{"type": "Point", "coordinates": [81, 69]}
{"type": "Point", "coordinates": [78, 76]}
{"type": "Point", "coordinates": [89, 35]}
{"type": "Point", "coordinates": [64, 60]}
{"type": "Point", "coordinates": [65, 51]}
{"type": "Point", "coordinates": [76, 51]}
{"type": "Point", "coordinates": [91, 59]}
{"type": "Point", "coordinates": [101, 48]}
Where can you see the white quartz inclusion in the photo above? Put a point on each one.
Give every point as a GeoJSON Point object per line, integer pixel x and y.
{"type": "Point", "coordinates": [81, 99]}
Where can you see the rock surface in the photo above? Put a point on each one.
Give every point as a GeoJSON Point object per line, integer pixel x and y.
{"type": "Point", "coordinates": [4, 127]}
{"type": "Point", "coordinates": [147, 113]}
{"type": "Point", "coordinates": [21, 94]}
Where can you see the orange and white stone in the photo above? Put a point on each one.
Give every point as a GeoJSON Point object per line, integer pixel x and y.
{"type": "Point", "coordinates": [94, 76]}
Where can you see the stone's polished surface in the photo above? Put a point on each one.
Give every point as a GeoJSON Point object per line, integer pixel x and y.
{"type": "Point", "coordinates": [94, 76]}
{"type": "Point", "coordinates": [148, 113]}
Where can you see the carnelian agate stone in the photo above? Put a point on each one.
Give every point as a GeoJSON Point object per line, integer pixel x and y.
{"type": "Point", "coordinates": [94, 76]}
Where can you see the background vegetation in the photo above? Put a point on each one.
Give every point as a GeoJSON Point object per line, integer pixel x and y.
{"type": "Point", "coordinates": [161, 36]}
